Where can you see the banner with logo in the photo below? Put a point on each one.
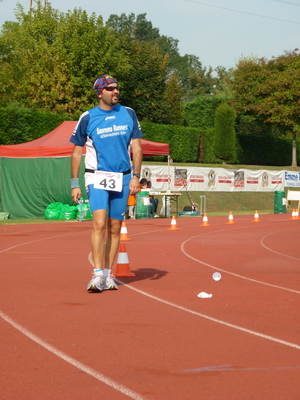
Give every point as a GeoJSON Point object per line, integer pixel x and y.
{"type": "Point", "coordinates": [172, 178]}
{"type": "Point", "coordinates": [292, 179]}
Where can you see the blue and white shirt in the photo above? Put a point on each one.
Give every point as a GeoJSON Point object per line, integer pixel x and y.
{"type": "Point", "coordinates": [107, 135]}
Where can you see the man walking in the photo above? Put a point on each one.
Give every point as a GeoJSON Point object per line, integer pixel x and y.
{"type": "Point", "coordinates": [108, 130]}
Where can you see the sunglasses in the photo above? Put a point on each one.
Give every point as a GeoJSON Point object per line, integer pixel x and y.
{"type": "Point", "coordinates": [112, 88]}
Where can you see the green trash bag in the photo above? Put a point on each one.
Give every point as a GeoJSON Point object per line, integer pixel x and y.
{"type": "Point", "coordinates": [4, 215]}
{"type": "Point", "coordinates": [68, 212]}
{"type": "Point", "coordinates": [53, 211]}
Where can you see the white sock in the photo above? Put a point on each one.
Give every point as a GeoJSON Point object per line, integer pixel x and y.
{"type": "Point", "coordinates": [106, 272]}
{"type": "Point", "coordinates": [98, 271]}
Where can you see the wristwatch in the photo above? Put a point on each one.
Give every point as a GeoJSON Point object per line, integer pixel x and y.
{"type": "Point", "coordinates": [137, 175]}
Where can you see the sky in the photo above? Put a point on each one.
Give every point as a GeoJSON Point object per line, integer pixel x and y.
{"type": "Point", "coordinates": [218, 32]}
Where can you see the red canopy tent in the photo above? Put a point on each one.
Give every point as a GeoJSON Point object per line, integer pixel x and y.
{"type": "Point", "coordinates": [57, 144]}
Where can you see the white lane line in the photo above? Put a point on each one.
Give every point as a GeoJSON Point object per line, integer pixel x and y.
{"type": "Point", "coordinates": [37, 240]}
{"type": "Point", "coordinates": [97, 375]}
{"type": "Point", "coordinates": [273, 251]}
{"type": "Point", "coordinates": [232, 273]}
{"type": "Point", "coordinates": [239, 328]}
{"type": "Point", "coordinates": [231, 368]}
{"type": "Point", "coordinates": [17, 233]}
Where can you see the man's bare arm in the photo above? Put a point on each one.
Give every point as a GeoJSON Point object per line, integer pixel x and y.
{"type": "Point", "coordinates": [137, 158]}
{"type": "Point", "coordinates": [75, 167]}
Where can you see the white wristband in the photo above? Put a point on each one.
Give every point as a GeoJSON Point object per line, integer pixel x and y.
{"type": "Point", "coordinates": [75, 183]}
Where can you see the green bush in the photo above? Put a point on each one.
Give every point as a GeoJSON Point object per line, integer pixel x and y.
{"type": "Point", "coordinates": [208, 155]}
{"type": "Point", "coordinates": [225, 136]}
{"type": "Point", "coordinates": [20, 125]}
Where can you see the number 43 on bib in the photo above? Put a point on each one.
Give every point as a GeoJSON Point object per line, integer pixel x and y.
{"type": "Point", "coordinates": [106, 180]}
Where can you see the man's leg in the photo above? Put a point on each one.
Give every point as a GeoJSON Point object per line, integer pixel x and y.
{"type": "Point", "coordinates": [97, 245]}
{"type": "Point", "coordinates": [111, 250]}
{"type": "Point", "coordinates": [112, 241]}
{"type": "Point", "coordinates": [98, 204]}
{"type": "Point", "coordinates": [98, 237]}
{"type": "Point", "coordinates": [117, 208]}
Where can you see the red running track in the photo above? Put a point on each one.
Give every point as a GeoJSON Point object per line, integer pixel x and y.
{"type": "Point", "coordinates": [154, 338]}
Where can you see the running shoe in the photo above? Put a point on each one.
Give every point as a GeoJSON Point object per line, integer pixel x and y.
{"type": "Point", "coordinates": [96, 283]}
{"type": "Point", "coordinates": [110, 284]}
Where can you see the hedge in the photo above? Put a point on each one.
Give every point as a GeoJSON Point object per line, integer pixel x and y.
{"type": "Point", "coordinates": [254, 149]}
{"type": "Point", "coordinates": [183, 142]}
{"type": "Point", "coordinates": [19, 125]}
{"type": "Point", "coordinates": [200, 113]}
{"type": "Point", "coordinates": [187, 144]}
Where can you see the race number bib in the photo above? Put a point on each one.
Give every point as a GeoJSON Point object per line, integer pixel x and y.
{"type": "Point", "coordinates": [108, 181]}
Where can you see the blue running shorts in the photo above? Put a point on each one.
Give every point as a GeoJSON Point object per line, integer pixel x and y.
{"type": "Point", "coordinates": [114, 202]}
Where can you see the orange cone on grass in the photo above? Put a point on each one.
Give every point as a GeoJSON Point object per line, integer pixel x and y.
{"type": "Point", "coordinates": [256, 217]}
{"type": "Point", "coordinates": [205, 221]}
{"type": "Point", "coordinates": [230, 219]}
{"type": "Point", "coordinates": [123, 268]}
{"type": "Point", "coordinates": [124, 234]}
{"type": "Point", "coordinates": [173, 226]}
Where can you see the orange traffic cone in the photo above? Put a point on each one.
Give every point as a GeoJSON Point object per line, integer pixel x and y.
{"type": "Point", "coordinates": [230, 219]}
{"type": "Point", "coordinates": [123, 234]}
{"type": "Point", "coordinates": [173, 226]}
{"type": "Point", "coordinates": [205, 221]}
{"type": "Point", "coordinates": [295, 214]}
{"type": "Point", "coordinates": [256, 217]}
{"type": "Point", "coordinates": [122, 268]}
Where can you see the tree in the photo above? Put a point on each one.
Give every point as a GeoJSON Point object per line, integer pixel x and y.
{"type": "Point", "coordinates": [135, 27]}
{"type": "Point", "coordinates": [196, 79]}
{"type": "Point", "coordinates": [224, 133]}
{"type": "Point", "coordinates": [222, 85]}
{"type": "Point", "coordinates": [145, 82]}
{"type": "Point", "coordinates": [49, 60]}
{"type": "Point", "coordinates": [173, 95]}
{"type": "Point", "coordinates": [269, 91]}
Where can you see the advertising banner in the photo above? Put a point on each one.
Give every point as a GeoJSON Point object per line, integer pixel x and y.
{"type": "Point", "coordinates": [172, 178]}
{"type": "Point", "coordinates": [292, 179]}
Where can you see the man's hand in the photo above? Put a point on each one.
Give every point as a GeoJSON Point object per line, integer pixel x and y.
{"type": "Point", "coordinates": [76, 195]}
{"type": "Point", "coordinates": [134, 185]}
